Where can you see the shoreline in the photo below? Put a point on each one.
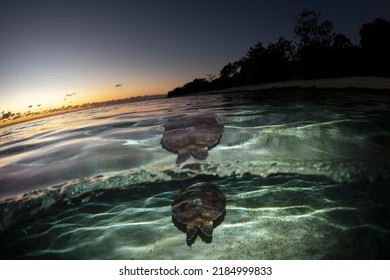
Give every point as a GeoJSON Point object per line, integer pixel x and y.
{"type": "Point", "coordinates": [77, 109]}
{"type": "Point", "coordinates": [343, 84]}
{"type": "Point", "coordinates": [37, 117]}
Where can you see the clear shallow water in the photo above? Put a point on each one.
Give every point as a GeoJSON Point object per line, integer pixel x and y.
{"type": "Point", "coordinates": [306, 176]}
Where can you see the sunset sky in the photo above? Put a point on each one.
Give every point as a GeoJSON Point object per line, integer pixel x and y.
{"type": "Point", "coordinates": [49, 49]}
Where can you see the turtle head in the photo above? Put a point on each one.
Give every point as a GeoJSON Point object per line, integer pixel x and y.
{"type": "Point", "coordinates": [200, 152]}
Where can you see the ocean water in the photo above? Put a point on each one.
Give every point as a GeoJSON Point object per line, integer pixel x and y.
{"type": "Point", "coordinates": [305, 174]}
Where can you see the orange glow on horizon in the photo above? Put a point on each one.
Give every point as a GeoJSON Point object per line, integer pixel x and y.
{"type": "Point", "coordinates": [42, 102]}
{"type": "Point", "coordinates": [56, 110]}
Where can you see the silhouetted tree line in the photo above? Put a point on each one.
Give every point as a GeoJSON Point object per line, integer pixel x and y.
{"type": "Point", "coordinates": [319, 52]}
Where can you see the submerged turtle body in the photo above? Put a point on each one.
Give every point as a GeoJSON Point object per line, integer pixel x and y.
{"type": "Point", "coordinates": [197, 206]}
{"type": "Point", "coordinates": [191, 134]}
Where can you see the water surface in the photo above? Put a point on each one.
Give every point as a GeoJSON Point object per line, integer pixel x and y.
{"type": "Point", "coordinates": [306, 176]}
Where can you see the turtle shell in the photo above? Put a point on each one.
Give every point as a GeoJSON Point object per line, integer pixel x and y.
{"type": "Point", "coordinates": [198, 205]}
{"type": "Point", "coordinates": [191, 134]}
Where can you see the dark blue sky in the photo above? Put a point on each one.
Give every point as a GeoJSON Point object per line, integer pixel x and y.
{"type": "Point", "coordinates": [52, 48]}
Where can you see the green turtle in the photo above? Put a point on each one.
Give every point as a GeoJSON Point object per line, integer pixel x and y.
{"type": "Point", "coordinates": [191, 134]}
{"type": "Point", "coordinates": [197, 206]}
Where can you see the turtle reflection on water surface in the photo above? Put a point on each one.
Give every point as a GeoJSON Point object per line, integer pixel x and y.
{"type": "Point", "coordinates": [191, 134]}
{"type": "Point", "coordinates": [197, 206]}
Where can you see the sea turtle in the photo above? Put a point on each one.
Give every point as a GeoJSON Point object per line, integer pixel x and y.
{"type": "Point", "coordinates": [191, 134]}
{"type": "Point", "coordinates": [197, 206]}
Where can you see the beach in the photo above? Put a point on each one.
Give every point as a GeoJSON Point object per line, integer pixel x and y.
{"type": "Point", "coordinates": [376, 83]}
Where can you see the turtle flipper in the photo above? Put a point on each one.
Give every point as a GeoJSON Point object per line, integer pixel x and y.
{"type": "Point", "coordinates": [191, 231]}
{"type": "Point", "coordinates": [200, 153]}
{"type": "Point", "coordinates": [207, 229]}
{"type": "Point", "coordinates": [182, 156]}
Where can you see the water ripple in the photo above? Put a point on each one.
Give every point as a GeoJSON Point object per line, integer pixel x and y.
{"type": "Point", "coordinates": [304, 179]}
{"type": "Point", "coordinates": [278, 217]}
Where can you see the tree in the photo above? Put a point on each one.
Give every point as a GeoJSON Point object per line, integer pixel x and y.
{"type": "Point", "coordinates": [277, 61]}
{"type": "Point", "coordinates": [318, 53]}
{"type": "Point", "coordinates": [252, 66]}
{"type": "Point", "coordinates": [375, 35]}
{"type": "Point", "coordinates": [197, 85]}
{"type": "Point", "coordinates": [282, 48]}
{"type": "Point", "coordinates": [345, 57]}
{"type": "Point", "coordinates": [311, 32]}
{"type": "Point", "coordinates": [6, 115]}
{"type": "Point", "coordinates": [315, 40]}
{"type": "Point", "coordinates": [229, 70]}
{"type": "Point", "coordinates": [341, 42]}
{"type": "Point", "coordinates": [375, 43]}
{"type": "Point", "coordinates": [210, 77]}
{"type": "Point", "coordinates": [254, 54]}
